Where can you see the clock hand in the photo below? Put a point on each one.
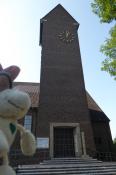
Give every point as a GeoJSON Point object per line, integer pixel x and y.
{"type": "Point", "coordinates": [67, 34]}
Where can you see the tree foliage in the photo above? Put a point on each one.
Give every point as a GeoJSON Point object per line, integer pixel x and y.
{"type": "Point", "coordinates": [114, 145]}
{"type": "Point", "coordinates": [109, 50]}
{"type": "Point", "coordinates": [114, 141]}
{"type": "Point", "coordinates": [106, 10]}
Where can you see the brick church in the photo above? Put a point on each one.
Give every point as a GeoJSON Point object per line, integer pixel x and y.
{"type": "Point", "coordinates": [65, 119]}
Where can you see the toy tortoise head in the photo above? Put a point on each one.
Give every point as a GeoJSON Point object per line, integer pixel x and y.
{"type": "Point", "coordinates": [7, 76]}
{"type": "Point", "coordinates": [14, 104]}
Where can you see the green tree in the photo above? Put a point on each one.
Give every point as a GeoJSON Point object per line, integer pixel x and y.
{"type": "Point", "coordinates": [114, 141]}
{"type": "Point", "coordinates": [114, 145]}
{"type": "Point", "coordinates": [106, 10]}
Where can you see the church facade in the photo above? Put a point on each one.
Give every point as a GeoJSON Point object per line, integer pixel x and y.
{"type": "Point", "coordinates": [66, 121]}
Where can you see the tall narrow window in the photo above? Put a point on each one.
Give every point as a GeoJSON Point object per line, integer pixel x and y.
{"type": "Point", "coordinates": [28, 122]}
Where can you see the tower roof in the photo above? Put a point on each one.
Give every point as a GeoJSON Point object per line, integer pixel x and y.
{"type": "Point", "coordinates": [59, 8]}
{"type": "Point", "coordinates": [59, 12]}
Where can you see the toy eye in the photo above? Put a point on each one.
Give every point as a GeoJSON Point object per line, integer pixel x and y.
{"type": "Point", "coordinates": [15, 105]}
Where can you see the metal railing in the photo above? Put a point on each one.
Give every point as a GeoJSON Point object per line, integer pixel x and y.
{"type": "Point", "coordinates": [17, 158]}
{"type": "Point", "coordinates": [104, 156]}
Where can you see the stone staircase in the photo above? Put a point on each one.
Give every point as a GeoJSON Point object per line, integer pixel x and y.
{"type": "Point", "coordinates": [69, 166]}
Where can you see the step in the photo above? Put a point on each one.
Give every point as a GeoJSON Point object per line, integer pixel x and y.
{"type": "Point", "coordinates": [69, 166]}
{"type": "Point", "coordinates": [70, 172]}
{"type": "Point", "coordinates": [68, 169]}
{"type": "Point", "coordinates": [40, 166]}
{"type": "Point", "coordinates": [68, 162]}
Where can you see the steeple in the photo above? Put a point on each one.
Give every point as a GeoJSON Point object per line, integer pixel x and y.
{"type": "Point", "coordinates": [62, 88]}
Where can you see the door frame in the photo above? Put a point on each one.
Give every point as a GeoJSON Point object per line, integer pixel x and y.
{"type": "Point", "coordinates": [77, 137]}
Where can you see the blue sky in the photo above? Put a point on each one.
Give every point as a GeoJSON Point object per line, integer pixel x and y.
{"type": "Point", "coordinates": [19, 44]}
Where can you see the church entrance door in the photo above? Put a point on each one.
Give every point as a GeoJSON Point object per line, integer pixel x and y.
{"type": "Point", "coordinates": [64, 142]}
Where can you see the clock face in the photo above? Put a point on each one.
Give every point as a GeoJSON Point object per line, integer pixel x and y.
{"type": "Point", "coordinates": [66, 36]}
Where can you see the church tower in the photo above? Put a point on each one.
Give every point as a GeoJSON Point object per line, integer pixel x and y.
{"type": "Point", "coordinates": [63, 111]}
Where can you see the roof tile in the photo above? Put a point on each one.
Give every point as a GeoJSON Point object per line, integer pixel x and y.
{"type": "Point", "coordinates": [32, 90]}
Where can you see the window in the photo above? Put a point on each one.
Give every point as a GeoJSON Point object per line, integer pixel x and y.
{"type": "Point", "coordinates": [28, 122]}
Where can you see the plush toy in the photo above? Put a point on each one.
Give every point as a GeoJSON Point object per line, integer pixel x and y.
{"type": "Point", "coordinates": [14, 105]}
